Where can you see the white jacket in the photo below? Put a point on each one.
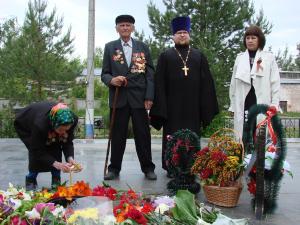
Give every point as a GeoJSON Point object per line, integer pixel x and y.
{"type": "Point", "coordinates": [266, 82]}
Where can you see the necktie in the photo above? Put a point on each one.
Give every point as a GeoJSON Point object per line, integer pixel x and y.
{"type": "Point", "coordinates": [127, 51]}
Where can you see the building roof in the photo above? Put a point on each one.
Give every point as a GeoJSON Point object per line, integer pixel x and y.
{"type": "Point", "coordinates": [290, 81]}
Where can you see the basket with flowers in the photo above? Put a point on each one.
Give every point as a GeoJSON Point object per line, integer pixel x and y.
{"type": "Point", "coordinates": [219, 167]}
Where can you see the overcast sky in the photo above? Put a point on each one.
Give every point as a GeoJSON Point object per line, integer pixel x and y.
{"type": "Point", "coordinates": [283, 14]}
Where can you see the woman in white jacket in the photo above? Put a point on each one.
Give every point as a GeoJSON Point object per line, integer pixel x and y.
{"type": "Point", "coordinates": [255, 78]}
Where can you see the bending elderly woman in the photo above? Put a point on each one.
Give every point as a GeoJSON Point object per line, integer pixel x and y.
{"type": "Point", "coordinates": [47, 130]}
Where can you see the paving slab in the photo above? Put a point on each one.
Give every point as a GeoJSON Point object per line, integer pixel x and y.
{"type": "Point", "coordinates": [91, 154]}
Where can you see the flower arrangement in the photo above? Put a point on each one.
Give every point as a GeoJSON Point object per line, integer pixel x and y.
{"type": "Point", "coordinates": [274, 149]}
{"type": "Point", "coordinates": [139, 63]}
{"type": "Point", "coordinates": [181, 149]}
{"type": "Point", "coordinates": [220, 163]}
{"type": "Point", "coordinates": [270, 156]}
{"type": "Point", "coordinates": [118, 56]}
{"type": "Point", "coordinates": [20, 207]}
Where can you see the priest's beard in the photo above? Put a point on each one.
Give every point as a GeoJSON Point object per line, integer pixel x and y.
{"type": "Point", "coordinates": [182, 43]}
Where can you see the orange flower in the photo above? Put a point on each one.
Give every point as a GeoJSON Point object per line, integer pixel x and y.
{"type": "Point", "coordinates": [80, 188]}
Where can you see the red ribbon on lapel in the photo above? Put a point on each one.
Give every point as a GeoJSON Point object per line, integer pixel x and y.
{"type": "Point", "coordinates": [272, 111]}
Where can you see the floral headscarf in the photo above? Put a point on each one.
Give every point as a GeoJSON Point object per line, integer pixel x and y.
{"type": "Point", "coordinates": [60, 114]}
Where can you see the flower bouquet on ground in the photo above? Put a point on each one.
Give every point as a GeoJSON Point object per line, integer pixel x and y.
{"type": "Point", "coordinates": [20, 207]}
{"type": "Point", "coordinates": [106, 206]}
{"type": "Point", "coordinates": [181, 149]}
{"type": "Point", "coordinates": [220, 166]}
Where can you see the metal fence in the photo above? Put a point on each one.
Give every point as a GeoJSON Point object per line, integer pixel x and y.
{"type": "Point", "coordinates": [291, 127]}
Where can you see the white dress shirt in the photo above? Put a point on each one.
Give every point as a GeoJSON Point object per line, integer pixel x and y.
{"type": "Point", "coordinates": [127, 49]}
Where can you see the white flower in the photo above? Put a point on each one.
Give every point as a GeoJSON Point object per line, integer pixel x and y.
{"type": "Point", "coordinates": [269, 160]}
{"type": "Point", "coordinates": [16, 203]}
{"type": "Point", "coordinates": [161, 208]}
{"type": "Point", "coordinates": [108, 220]}
{"type": "Point", "coordinates": [166, 200]}
{"type": "Point", "coordinates": [11, 190]}
{"type": "Point", "coordinates": [202, 222]}
{"type": "Point", "coordinates": [58, 211]}
{"type": "Point", "coordinates": [33, 214]}
{"type": "Point", "coordinates": [26, 196]}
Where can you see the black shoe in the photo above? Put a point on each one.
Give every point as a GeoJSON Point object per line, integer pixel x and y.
{"type": "Point", "coordinates": [55, 182]}
{"type": "Point", "coordinates": [111, 175]}
{"type": "Point", "coordinates": [151, 175]}
{"type": "Point", "coordinates": [170, 175]}
{"type": "Point", "coordinates": [31, 184]}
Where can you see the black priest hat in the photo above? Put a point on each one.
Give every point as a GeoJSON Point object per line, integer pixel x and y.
{"type": "Point", "coordinates": [181, 23]}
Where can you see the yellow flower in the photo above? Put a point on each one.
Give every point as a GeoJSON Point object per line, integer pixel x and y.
{"type": "Point", "coordinates": [88, 213]}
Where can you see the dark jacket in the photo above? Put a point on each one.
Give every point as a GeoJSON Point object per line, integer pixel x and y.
{"type": "Point", "coordinates": [32, 124]}
{"type": "Point", "coordinates": [140, 84]}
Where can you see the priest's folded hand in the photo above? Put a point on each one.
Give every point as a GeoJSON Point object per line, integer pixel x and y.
{"type": "Point", "coordinates": [148, 104]}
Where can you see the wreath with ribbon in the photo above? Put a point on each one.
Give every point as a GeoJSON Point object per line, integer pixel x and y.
{"type": "Point", "coordinates": [277, 144]}
{"type": "Point", "coordinates": [180, 154]}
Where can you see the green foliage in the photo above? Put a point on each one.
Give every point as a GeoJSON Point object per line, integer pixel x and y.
{"type": "Point", "coordinates": [7, 129]}
{"type": "Point", "coordinates": [98, 58]}
{"type": "Point", "coordinates": [297, 60]}
{"type": "Point", "coordinates": [290, 114]}
{"type": "Point", "coordinates": [34, 57]}
{"type": "Point", "coordinates": [285, 60]}
{"type": "Point", "coordinates": [185, 207]}
{"type": "Point", "coordinates": [219, 38]}
{"type": "Point", "coordinates": [221, 120]}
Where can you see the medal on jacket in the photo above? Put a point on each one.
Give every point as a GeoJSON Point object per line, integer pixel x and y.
{"type": "Point", "coordinates": [184, 68]}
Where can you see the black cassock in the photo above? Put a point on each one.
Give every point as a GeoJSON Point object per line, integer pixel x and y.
{"type": "Point", "coordinates": [182, 102]}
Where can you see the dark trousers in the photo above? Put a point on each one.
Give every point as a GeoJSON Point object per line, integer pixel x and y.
{"type": "Point", "coordinates": [54, 172]}
{"type": "Point", "coordinates": [142, 138]}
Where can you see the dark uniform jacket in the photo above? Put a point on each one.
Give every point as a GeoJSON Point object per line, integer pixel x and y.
{"type": "Point", "coordinates": [32, 125]}
{"type": "Point", "coordinates": [139, 73]}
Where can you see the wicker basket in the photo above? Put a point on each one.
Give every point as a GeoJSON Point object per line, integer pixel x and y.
{"type": "Point", "coordinates": [223, 196]}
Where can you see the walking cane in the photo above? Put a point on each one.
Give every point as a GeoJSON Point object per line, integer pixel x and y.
{"type": "Point", "coordinates": [111, 125]}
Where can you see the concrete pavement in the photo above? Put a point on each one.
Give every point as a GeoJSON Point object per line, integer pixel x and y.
{"type": "Point", "coordinates": [91, 154]}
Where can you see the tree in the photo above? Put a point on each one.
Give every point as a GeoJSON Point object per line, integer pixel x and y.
{"type": "Point", "coordinates": [43, 50]}
{"type": "Point", "coordinates": [217, 28]}
{"type": "Point", "coordinates": [9, 34]}
{"type": "Point", "coordinates": [297, 61]}
{"type": "Point", "coordinates": [285, 60]}
{"type": "Point", "coordinates": [98, 57]}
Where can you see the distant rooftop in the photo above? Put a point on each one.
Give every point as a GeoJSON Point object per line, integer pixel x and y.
{"type": "Point", "coordinates": [97, 72]}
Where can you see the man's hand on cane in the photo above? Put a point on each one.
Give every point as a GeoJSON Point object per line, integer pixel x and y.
{"type": "Point", "coordinates": [119, 81]}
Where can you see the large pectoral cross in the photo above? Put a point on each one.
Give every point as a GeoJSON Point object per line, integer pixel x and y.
{"type": "Point", "coordinates": [185, 69]}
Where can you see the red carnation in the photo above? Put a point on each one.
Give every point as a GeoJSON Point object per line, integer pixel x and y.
{"type": "Point", "coordinates": [202, 151]}
{"type": "Point", "coordinates": [147, 208]}
{"type": "Point", "coordinates": [137, 216]}
{"type": "Point", "coordinates": [175, 158]}
{"type": "Point", "coordinates": [206, 173]}
{"type": "Point", "coordinates": [252, 186]}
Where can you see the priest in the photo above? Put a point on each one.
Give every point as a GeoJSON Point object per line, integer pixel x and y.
{"type": "Point", "coordinates": [185, 96]}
